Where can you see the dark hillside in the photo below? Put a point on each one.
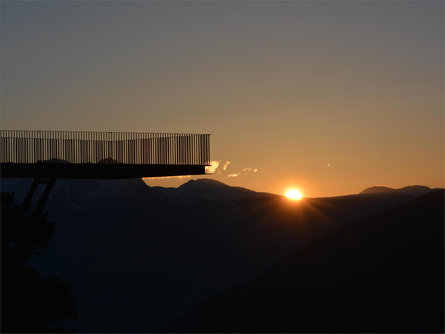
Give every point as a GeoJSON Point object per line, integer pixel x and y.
{"type": "Point", "coordinates": [380, 274]}
{"type": "Point", "coordinates": [138, 257]}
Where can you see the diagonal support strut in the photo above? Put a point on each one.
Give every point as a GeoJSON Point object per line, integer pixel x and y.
{"type": "Point", "coordinates": [49, 182]}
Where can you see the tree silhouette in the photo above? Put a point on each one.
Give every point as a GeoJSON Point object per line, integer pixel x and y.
{"type": "Point", "coordinates": [30, 303]}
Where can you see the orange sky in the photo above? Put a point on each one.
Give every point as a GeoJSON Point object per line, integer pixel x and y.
{"type": "Point", "coordinates": [330, 97]}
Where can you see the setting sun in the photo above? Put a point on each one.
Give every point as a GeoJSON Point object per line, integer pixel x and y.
{"type": "Point", "coordinates": [294, 194]}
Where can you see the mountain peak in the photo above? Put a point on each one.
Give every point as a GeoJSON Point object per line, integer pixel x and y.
{"type": "Point", "coordinates": [415, 189]}
{"type": "Point", "coordinates": [211, 189]}
{"type": "Point", "coordinates": [203, 183]}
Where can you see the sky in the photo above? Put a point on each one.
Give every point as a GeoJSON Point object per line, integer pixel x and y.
{"type": "Point", "coordinates": [327, 96]}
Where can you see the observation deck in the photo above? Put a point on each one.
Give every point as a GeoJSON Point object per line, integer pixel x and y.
{"type": "Point", "coordinates": [101, 155]}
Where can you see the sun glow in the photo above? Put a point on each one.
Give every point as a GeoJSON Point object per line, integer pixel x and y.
{"type": "Point", "coordinates": [294, 194]}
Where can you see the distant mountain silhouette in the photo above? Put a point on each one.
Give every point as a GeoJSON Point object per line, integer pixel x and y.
{"type": "Point", "coordinates": [209, 185]}
{"type": "Point", "coordinates": [139, 257]}
{"type": "Point", "coordinates": [208, 189]}
{"type": "Point", "coordinates": [380, 274]}
{"type": "Point", "coordinates": [412, 190]}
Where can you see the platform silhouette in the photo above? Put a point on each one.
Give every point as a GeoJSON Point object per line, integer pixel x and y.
{"type": "Point", "coordinates": [101, 155]}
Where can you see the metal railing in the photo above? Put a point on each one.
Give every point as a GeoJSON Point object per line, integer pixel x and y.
{"type": "Point", "coordinates": [80, 147]}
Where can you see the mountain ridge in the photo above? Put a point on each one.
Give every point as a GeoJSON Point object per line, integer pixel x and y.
{"type": "Point", "coordinates": [412, 189]}
{"type": "Point", "coordinates": [342, 282]}
{"type": "Point", "coordinates": [186, 244]}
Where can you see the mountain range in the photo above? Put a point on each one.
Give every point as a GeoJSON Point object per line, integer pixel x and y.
{"type": "Point", "coordinates": [384, 273]}
{"type": "Point", "coordinates": [139, 258]}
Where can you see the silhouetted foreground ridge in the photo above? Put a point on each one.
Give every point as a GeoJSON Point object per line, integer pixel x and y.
{"type": "Point", "coordinates": [380, 274]}
{"type": "Point", "coordinates": [138, 258]}
{"type": "Point", "coordinates": [30, 302]}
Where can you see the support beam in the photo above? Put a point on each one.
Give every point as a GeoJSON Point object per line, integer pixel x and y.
{"type": "Point", "coordinates": [49, 182]}
{"type": "Point", "coordinates": [96, 171]}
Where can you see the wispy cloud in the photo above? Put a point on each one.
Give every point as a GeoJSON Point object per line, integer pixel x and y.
{"type": "Point", "coordinates": [225, 165]}
{"type": "Point", "coordinates": [250, 170]}
{"type": "Point", "coordinates": [244, 172]}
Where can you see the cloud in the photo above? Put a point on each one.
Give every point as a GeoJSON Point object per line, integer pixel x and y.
{"type": "Point", "coordinates": [244, 172]}
{"type": "Point", "coordinates": [217, 166]}
{"type": "Point", "coordinates": [250, 170]}
{"type": "Point", "coordinates": [214, 164]}
{"type": "Point", "coordinates": [225, 165]}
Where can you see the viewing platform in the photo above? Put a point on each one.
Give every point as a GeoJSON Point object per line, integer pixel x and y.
{"type": "Point", "coordinates": [101, 155]}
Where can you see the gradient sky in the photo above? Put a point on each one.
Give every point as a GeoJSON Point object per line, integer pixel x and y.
{"type": "Point", "coordinates": [328, 96]}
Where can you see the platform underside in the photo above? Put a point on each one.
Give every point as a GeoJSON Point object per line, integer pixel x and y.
{"type": "Point", "coordinates": [96, 171]}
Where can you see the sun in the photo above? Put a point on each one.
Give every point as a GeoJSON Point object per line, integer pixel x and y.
{"type": "Point", "coordinates": [294, 194]}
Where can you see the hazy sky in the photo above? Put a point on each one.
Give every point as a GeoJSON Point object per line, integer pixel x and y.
{"type": "Point", "coordinates": [327, 96]}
